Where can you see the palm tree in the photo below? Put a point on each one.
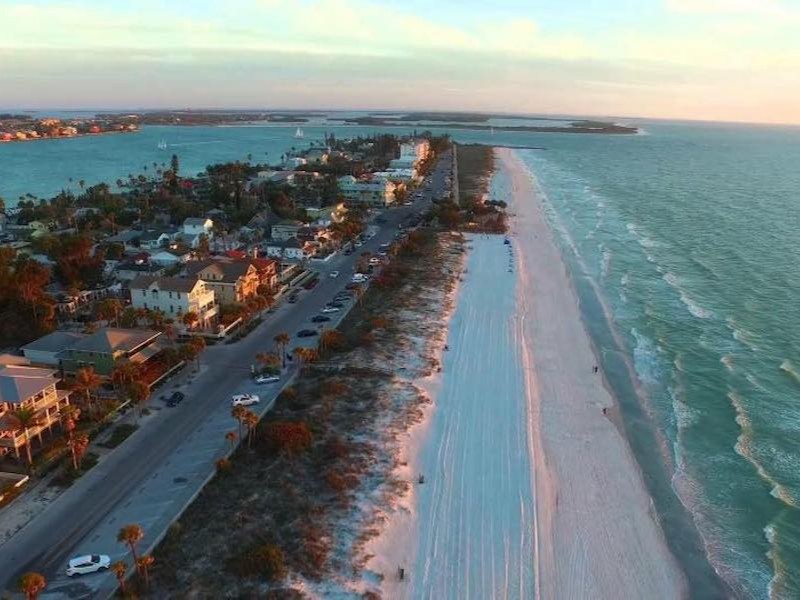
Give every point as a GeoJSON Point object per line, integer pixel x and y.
{"type": "Point", "coordinates": [268, 359]}
{"type": "Point", "coordinates": [124, 373]}
{"type": "Point", "coordinates": [282, 340]}
{"type": "Point", "coordinates": [87, 381]}
{"type": "Point", "coordinates": [251, 420]}
{"type": "Point", "coordinates": [108, 308]}
{"type": "Point", "coordinates": [120, 569]}
{"type": "Point", "coordinates": [69, 419]}
{"type": "Point", "coordinates": [23, 419]}
{"type": "Point", "coordinates": [306, 355]}
{"type": "Point", "coordinates": [78, 445]}
{"type": "Point", "coordinates": [190, 319]}
{"type": "Point", "coordinates": [238, 413]}
{"type": "Point", "coordinates": [131, 535]}
{"type": "Point", "coordinates": [139, 393]}
{"type": "Point", "coordinates": [143, 563]}
{"type": "Point", "coordinates": [32, 584]}
{"type": "Point", "coordinates": [231, 437]}
{"type": "Point", "coordinates": [199, 344]}
{"type": "Point", "coordinates": [331, 338]}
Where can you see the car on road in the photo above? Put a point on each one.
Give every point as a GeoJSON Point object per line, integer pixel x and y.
{"type": "Point", "coordinates": [327, 309]}
{"type": "Point", "coordinates": [358, 244]}
{"type": "Point", "coordinates": [320, 318]}
{"type": "Point", "coordinates": [359, 278]}
{"type": "Point", "coordinates": [384, 246]}
{"type": "Point", "coordinates": [175, 399]}
{"type": "Point", "coordinates": [245, 399]}
{"type": "Point", "coordinates": [334, 304]}
{"type": "Point", "coordinates": [304, 333]}
{"type": "Point", "coordinates": [89, 563]}
{"type": "Point", "coordinates": [334, 274]}
{"type": "Point", "coordinates": [293, 298]}
{"type": "Point", "coordinates": [267, 379]}
{"type": "Point", "coordinates": [375, 261]}
{"type": "Point", "coordinates": [348, 252]}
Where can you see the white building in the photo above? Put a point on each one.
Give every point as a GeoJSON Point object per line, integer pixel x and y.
{"type": "Point", "coordinates": [412, 154]}
{"type": "Point", "coordinates": [175, 296]}
{"type": "Point", "coordinates": [169, 258]}
{"type": "Point", "coordinates": [194, 226]}
{"type": "Point", "coordinates": [371, 192]}
{"type": "Point", "coordinates": [291, 249]}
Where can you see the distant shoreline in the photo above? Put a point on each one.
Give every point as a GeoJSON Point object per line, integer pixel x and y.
{"type": "Point", "coordinates": [64, 137]}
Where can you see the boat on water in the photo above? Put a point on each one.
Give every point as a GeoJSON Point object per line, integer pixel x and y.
{"type": "Point", "coordinates": [162, 144]}
{"type": "Point", "coordinates": [299, 133]}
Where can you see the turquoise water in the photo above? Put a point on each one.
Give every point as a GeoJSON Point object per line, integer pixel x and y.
{"type": "Point", "coordinates": [682, 244]}
{"type": "Point", "coordinates": [688, 236]}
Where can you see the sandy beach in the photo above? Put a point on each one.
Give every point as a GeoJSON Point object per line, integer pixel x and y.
{"type": "Point", "coordinates": [596, 534]}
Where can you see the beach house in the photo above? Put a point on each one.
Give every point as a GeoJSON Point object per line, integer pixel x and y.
{"type": "Point", "coordinates": [175, 297]}
{"type": "Point", "coordinates": [230, 280]}
{"type": "Point", "coordinates": [25, 388]}
{"type": "Point", "coordinates": [374, 192]}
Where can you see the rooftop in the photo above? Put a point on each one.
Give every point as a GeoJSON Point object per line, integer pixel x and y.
{"type": "Point", "coordinates": [18, 383]}
{"type": "Point", "coordinates": [110, 340]}
{"type": "Point", "coordinates": [54, 342]}
{"type": "Point", "coordinates": [165, 284]}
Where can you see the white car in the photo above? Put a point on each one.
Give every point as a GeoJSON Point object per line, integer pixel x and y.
{"type": "Point", "coordinates": [358, 244]}
{"type": "Point", "coordinates": [267, 379]}
{"type": "Point", "coordinates": [334, 274]}
{"type": "Point", "coordinates": [359, 278]}
{"type": "Point", "coordinates": [330, 309]}
{"type": "Point", "coordinates": [90, 563]}
{"type": "Point", "coordinates": [245, 400]}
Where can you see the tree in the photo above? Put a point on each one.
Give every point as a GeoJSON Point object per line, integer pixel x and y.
{"type": "Point", "coordinates": [231, 437]}
{"type": "Point", "coordinates": [32, 584]}
{"type": "Point", "coordinates": [143, 564]}
{"type": "Point", "coordinates": [69, 419]}
{"type": "Point", "coordinates": [287, 437]}
{"type": "Point", "coordinates": [86, 382]}
{"type": "Point", "coordinates": [190, 319]}
{"type": "Point", "coordinates": [23, 419]}
{"type": "Point", "coordinates": [251, 421]}
{"type": "Point", "coordinates": [108, 309]}
{"type": "Point", "coordinates": [124, 373]}
{"type": "Point", "coordinates": [306, 355]}
{"type": "Point", "coordinates": [331, 339]}
{"type": "Point", "coordinates": [120, 569]}
{"type": "Point", "coordinates": [139, 393]}
{"type": "Point", "coordinates": [131, 535]}
{"type": "Point", "coordinates": [203, 250]}
{"type": "Point", "coordinates": [238, 413]}
{"type": "Point", "coordinates": [282, 340]}
{"type": "Point", "coordinates": [78, 445]}
{"type": "Point", "coordinates": [268, 359]}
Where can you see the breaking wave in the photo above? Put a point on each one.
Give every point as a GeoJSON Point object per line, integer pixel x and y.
{"type": "Point", "coordinates": [694, 307]}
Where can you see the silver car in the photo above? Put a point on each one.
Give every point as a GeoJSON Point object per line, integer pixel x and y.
{"type": "Point", "coordinates": [89, 563]}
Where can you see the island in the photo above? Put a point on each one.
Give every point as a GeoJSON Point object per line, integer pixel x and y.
{"type": "Point", "coordinates": [21, 127]}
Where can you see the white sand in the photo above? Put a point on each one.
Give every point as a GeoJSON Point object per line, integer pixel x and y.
{"type": "Point", "coordinates": [595, 534]}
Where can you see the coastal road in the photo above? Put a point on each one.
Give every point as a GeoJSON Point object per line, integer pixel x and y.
{"type": "Point", "coordinates": [156, 473]}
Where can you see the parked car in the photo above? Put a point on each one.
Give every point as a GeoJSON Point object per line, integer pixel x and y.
{"type": "Point", "coordinates": [175, 399]}
{"type": "Point", "coordinates": [334, 304]}
{"type": "Point", "coordinates": [245, 399]}
{"type": "Point", "coordinates": [320, 318]}
{"type": "Point", "coordinates": [374, 261]}
{"type": "Point", "coordinates": [334, 274]}
{"type": "Point", "coordinates": [359, 278]}
{"type": "Point", "coordinates": [327, 309]}
{"type": "Point", "coordinates": [89, 563]}
{"type": "Point", "coordinates": [304, 333]}
{"type": "Point", "coordinates": [292, 298]}
{"type": "Point", "coordinates": [267, 379]}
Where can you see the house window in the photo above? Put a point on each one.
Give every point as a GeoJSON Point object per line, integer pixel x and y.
{"type": "Point", "coordinates": [179, 295]}
{"type": "Point", "coordinates": [154, 293]}
{"type": "Point", "coordinates": [171, 309]}
{"type": "Point", "coordinates": [170, 295]}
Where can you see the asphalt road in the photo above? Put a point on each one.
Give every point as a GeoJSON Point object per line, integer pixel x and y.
{"type": "Point", "coordinates": [151, 477]}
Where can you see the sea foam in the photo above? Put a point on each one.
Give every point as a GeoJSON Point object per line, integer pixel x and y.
{"type": "Point", "coordinates": [694, 307]}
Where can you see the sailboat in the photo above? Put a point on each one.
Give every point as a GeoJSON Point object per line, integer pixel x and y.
{"type": "Point", "coordinates": [299, 133]}
{"type": "Point", "coordinates": [162, 144]}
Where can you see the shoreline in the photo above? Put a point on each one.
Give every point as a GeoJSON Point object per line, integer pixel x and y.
{"type": "Point", "coordinates": [580, 452]}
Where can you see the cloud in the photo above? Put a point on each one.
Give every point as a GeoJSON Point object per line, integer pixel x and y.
{"type": "Point", "coordinates": [759, 8]}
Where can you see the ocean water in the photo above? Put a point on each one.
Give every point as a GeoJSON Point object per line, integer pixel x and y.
{"type": "Point", "coordinates": [682, 244]}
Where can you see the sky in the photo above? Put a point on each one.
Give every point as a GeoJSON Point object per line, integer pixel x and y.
{"type": "Point", "coordinates": [732, 60]}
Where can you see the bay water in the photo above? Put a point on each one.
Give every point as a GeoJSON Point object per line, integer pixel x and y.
{"type": "Point", "coordinates": [683, 246]}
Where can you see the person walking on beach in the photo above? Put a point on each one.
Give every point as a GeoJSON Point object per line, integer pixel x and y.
{"type": "Point", "coordinates": [595, 369]}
